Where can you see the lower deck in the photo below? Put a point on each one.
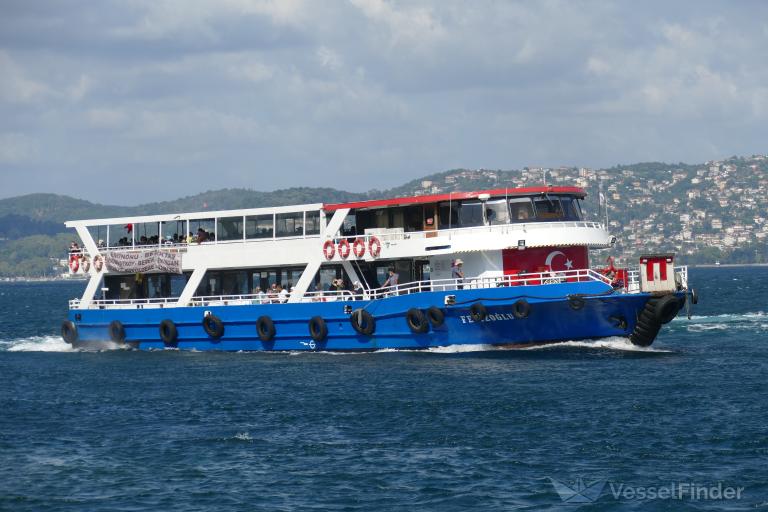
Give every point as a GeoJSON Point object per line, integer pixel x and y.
{"type": "Point", "coordinates": [501, 315]}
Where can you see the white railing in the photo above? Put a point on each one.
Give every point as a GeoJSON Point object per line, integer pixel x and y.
{"type": "Point", "coordinates": [438, 285]}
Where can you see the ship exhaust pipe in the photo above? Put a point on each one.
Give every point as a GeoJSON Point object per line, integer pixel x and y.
{"type": "Point", "coordinates": [657, 312]}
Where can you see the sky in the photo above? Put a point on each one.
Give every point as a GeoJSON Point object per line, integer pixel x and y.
{"type": "Point", "coordinates": [135, 101]}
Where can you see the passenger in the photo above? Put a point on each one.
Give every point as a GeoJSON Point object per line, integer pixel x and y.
{"type": "Point", "coordinates": [522, 214]}
{"type": "Point", "coordinates": [393, 278]}
{"type": "Point", "coordinates": [282, 294]}
{"type": "Point", "coordinates": [202, 236]}
{"type": "Point", "coordinates": [457, 273]}
{"type": "Point", "coordinates": [272, 293]}
{"type": "Point", "coordinates": [357, 290]}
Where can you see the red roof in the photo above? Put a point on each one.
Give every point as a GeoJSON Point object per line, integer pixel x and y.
{"type": "Point", "coordinates": [457, 196]}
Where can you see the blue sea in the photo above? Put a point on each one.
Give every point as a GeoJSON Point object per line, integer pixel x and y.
{"type": "Point", "coordinates": [607, 425]}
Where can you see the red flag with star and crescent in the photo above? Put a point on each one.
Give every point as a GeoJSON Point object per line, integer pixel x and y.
{"type": "Point", "coordinates": [544, 259]}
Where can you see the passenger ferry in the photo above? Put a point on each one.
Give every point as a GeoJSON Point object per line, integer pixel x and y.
{"type": "Point", "coordinates": [504, 267]}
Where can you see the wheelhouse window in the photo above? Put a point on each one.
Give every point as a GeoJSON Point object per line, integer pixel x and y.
{"type": "Point", "coordinates": [471, 214]}
{"type": "Point", "coordinates": [571, 208]}
{"type": "Point", "coordinates": [312, 223]}
{"type": "Point", "coordinates": [496, 212]}
{"type": "Point", "coordinates": [259, 226]}
{"type": "Point", "coordinates": [290, 224]}
{"type": "Point", "coordinates": [448, 215]}
{"type": "Point", "coordinates": [521, 209]}
{"type": "Point", "coordinates": [229, 228]}
{"type": "Point", "coordinates": [549, 208]}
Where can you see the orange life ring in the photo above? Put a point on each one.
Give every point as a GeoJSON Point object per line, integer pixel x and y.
{"type": "Point", "coordinates": [98, 262]}
{"type": "Point", "coordinates": [374, 247]}
{"type": "Point", "coordinates": [86, 264]}
{"type": "Point", "coordinates": [74, 263]}
{"type": "Point", "coordinates": [329, 249]}
{"type": "Point", "coordinates": [359, 248]}
{"type": "Point", "coordinates": [344, 248]}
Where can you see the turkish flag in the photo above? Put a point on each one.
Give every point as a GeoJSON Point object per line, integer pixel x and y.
{"type": "Point", "coordinates": [544, 259]}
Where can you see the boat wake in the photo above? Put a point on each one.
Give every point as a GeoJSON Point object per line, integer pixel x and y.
{"type": "Point", "coordinates": [36, 344]}
{"type": "Point", "coordinates": [730, 322]}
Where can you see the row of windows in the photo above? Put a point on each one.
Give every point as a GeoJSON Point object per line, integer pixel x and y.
{"type": "Point", "coordinates": [472, 213]}
{"type": "Point", "coordinates": [293, 224]}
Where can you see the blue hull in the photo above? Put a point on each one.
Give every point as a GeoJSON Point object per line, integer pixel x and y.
{"type": "Point", "coordinates": [551, 318]}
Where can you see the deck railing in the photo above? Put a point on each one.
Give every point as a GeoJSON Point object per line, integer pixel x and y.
{"type": "Point", "coordinates": [438, 285]}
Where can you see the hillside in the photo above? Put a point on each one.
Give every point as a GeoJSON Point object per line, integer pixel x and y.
{"type": "Point", "coordinates": [704, 212]}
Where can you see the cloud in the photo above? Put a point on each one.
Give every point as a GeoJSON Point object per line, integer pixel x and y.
{"type": "Point", "coordinates": [191, 94]}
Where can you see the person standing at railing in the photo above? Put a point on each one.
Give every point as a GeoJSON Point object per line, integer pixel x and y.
{"type": "Point", "coordinates": [457, 273]}
{"type": "Point", "coordinates": [392, 280]}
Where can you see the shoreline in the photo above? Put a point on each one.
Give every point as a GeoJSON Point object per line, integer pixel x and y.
{"type": "Point", "coordinates": [729, 265]}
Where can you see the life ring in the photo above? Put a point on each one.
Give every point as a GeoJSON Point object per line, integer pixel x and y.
{"type": "Point", "coordinates": [74, 263]}
{"type": "Point", "coordinates": [344, 248]}
{"type": "Point", "coordinates": [478, 312]}
{"type": "Point", "coordinates": [168, 332]}
{"type": "Point", "coordinates": [374, 247]}
{"type": "Point", "coordinates": [436, 316]}
{"type": "Point", "coordinates": [318, 329]}
{"type": "Point", "coordinates": [85, 263]}
{"type": "Point", "coordinates": [329, 249]}
{"type": "Point", "coordinates": [69, 331]}
{"type": "Point", "coordinates": [213, 326]}
{"type": "Point", "coordinates": [521, 309]}
{"type": "Point", "coordinates": [265, 327]}
{"type": "Point", "coordinates": [98, 262]}
{"type": "Point", "coordinates": [363, 322]}
{"type": "Point", "coordinates": [416, 320]}
{"type": "Point", "coordinates": [359, 248]}
{"type": "Point", "coordinates": [117, 332]}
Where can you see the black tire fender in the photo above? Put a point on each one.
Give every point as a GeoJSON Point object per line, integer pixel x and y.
{"type": "Point", "coordinates": [362, 322]}
{"type": "Point", "coordinates": [417, 321]}
{"type": "Point", "coordinates": [666, 309]}
{"type": "Point", "coordinates": [265, 328]}
{"type": "Point", "coordinates": [168, 332]}
{"type": "Point", "coordinates": [576, 303]}
{"type": "Point", "coordinates": [318, 329]}
{"type": "Point", "coordinates": [117, 332]}
{"type": "Point", "coordinates": [213, 326]}
{"type": "Point", "coordinates": [478, 312]}
{"type": "Point", "coordinates": [521, 309]}
{"type": "Point", "coordinates": [436, 316]}
{"type": "Point", "coordinates": [69, 332]}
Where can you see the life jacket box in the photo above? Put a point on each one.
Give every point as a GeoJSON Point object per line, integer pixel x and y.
{"type": "Point", "coordinates": [657, 273]}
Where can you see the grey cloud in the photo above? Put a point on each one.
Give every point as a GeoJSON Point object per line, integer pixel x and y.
{"type": "Point", "coordinates": [155, 99]}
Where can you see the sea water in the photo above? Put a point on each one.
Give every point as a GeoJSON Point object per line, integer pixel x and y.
{"type": "Point", "coordinates": [602, 422]}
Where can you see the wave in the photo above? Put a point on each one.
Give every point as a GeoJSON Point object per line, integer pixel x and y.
{"type": "Point", "coordinates": [613, 343]}
{"type": "Point", "coordinates": [36, 344]}
{"type": "Point", "coordinates": [723, 322]}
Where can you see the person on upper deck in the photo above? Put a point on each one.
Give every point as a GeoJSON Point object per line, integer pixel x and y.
{"type": "Point", "coordinates": [457, 273]}
{"type": "Point", "coordinates": [393, 278]}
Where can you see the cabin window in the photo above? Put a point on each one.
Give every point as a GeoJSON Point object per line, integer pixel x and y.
{"type": "Point", "coordinates": [290, 224]}
{"type": "Point", "coordinates": [571, 208]}
{"type": "Point", "coordinates": [312, 223]}
{"type": "Point", "coordinates": [174, 231]}
{"type": "Point", "coordinates": [203, 230]}
{"type": "Point", "coordinates": [471, 214]}
{"type": "Point", "coordinates": [448, 215]}
{"type": "Point", "coordinates": [496, 212]}
{"type": "Point", "coordinates": [259, 226]}
{"type": "Point", "coordinates": [521, 209]}
{"type": "Point", "coordinates": [229, 228]}
{"type": "Point", "coordinates": [549, 209]}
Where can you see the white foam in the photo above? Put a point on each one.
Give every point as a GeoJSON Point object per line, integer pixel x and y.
{"type": "Point", "coordinates": [37, 344]}
{"type": "Point", "coordinates": [612, 343]}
